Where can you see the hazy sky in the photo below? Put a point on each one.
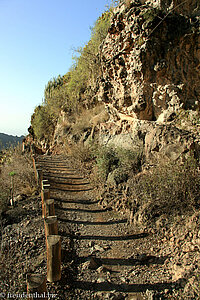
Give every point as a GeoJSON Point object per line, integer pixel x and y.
{"type": "Point", "coordinates": [36, 42]}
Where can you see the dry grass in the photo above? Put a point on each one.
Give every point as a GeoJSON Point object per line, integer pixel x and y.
{"type": "Point", "coordinates": [20, 165]}
{"type": "Point", "coordinates": [169, 189]}
{"type": "Point", "coordinates": [78, 151]}
{"type": "Point", "coordinates": [83, 121]}
{"type": "Point", "coordinates": [127, 3]}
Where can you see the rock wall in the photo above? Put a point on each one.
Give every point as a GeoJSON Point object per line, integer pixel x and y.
{"type": "Point", "coordinates": [150, 64]}
{"type": "Point", "coordinates": [187, 8]}
{"type": "Point", "coordinates": [150, 75]}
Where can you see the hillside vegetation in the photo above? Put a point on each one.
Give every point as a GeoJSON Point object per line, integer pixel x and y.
{"type": "Point", "coordinates": [75, 90]}
{"type": "Point", "coordinates": [7, 141]}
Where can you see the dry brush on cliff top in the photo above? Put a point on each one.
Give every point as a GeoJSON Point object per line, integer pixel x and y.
{"type": "Point", "coordinates": [75, 90]}
{"type": "Point", "coordinates": [87, 119]}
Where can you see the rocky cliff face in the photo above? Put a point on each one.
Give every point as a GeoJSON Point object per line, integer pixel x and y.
{"type": "Point", "coordinates": [150, 63]}
{"type": "Point", "coordinates": [149, 82]}
{"type": "Point", "coordinates": [187, 8]}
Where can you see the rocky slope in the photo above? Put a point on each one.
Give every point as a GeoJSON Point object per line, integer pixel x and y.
{"type": "Point", "coordinates": [150, 61]}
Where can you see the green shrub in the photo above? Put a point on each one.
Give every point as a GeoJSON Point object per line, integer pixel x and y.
{"type": "Point", "coordinates": [118, 160]}
{"type": "Point", "coordinates": [106, 161]}
{"type": "Point", "coordinates": [42, 122]}
{"type": "Point", "coordinates": [130, 159]}
{"type": "Point", "coordinates": [117, 176]}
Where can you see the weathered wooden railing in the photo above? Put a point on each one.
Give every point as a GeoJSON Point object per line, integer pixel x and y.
{"type": "Point", "coordinates": [35, 282]}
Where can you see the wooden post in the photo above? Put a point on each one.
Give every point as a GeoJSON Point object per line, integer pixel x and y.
{"type": "Point", "coordinates": [36, 286]}
{"type": "Point", "coordinates": [23, 147]}
{"type": "Point", "coordinates": [51, 226]}
{"type": "Point", "coordinates": [45, 195]}
{"type": "Point", "coordinates": [39, 177]}
{"type": "Point", "coordinates": [49, 209]}
{"type": "Point", "coordinates": [34, 166]}
{"type": "Point", "coordinates": [53, 258]}
{"type": "Point", "coordinates": [46, 186]}
{"type": "Point", "coordinates": [12, 192]}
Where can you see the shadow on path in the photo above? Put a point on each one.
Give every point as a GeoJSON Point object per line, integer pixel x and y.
{"type": "Point", "coordinates": [84, 202]}
{"type": "Point", "coordinates": [51, 176]}
{"type": "Point", "coordinates": [62, 189]}
{"type": "Point", "coordinates": [61, 183]}
{"type": "Point", "coordinates": [141, 260]}
{"type": "Point", "coordinates": [83, 210]}
{"type": "Point", "coordinates": [109, 238]}
{"type": "Point", "coordinates": [107, 286]}
{"type": "Point", "coordinates": [92, 223]}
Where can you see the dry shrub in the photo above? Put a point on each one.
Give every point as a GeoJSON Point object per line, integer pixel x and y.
{"type": "Point", "coordinates": [170, 189]}
{"type": "Point", "coordinates": [83, 121]}
{"type": "Point", "coordinates": [81, 157]}
{"type": "Point", "coordinates": [20, 166]}
{"type": "Point", "coordinates": [127, 3]}
{"type": "Point", "coordinates": [79, 151]}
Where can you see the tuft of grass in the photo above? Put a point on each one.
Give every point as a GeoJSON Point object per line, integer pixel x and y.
{"type": "Point", "coordinates": [79, 151]}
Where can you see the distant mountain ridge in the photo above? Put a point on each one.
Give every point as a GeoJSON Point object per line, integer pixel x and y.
{"type": "Point", "coordinates": [9, 140]}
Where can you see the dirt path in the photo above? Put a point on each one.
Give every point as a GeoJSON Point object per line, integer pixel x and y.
{"type": "Point", "coordinates": [110, 258]}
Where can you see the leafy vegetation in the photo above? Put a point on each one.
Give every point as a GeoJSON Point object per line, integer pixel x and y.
{"type": "Point", "coordinates": [72, 91]}
{"type": "Point", "coordinates": [117, 164]}
{"type": "Point", "coordinates": [42, 122]}
{"type": "Point", "coordinates": [107, 162]}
